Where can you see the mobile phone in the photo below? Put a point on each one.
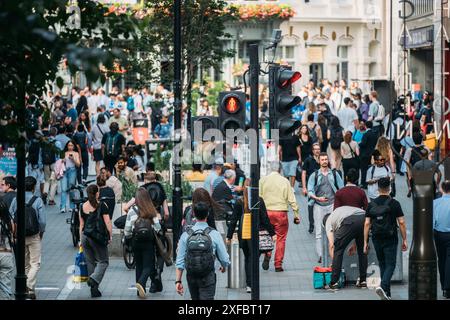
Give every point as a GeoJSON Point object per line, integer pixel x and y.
{"type": "Point", "coordinates": [241, 181]}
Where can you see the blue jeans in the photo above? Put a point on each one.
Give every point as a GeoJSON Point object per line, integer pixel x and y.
{"type": "Point", "coordinates": [386, 250]}
{"type": "Point", "coordinates": [68, 181]}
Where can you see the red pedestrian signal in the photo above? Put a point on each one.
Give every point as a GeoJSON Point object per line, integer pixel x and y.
{"type": "Point", "coordinates": [232, 104]}
{"type": "Point", "coordinates": [287, 77]}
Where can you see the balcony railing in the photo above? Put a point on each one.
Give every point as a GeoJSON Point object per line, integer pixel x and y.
{"type": "Point", "coordinates": [422, 8]}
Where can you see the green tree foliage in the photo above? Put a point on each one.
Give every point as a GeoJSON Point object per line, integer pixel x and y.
{"type": "Point", "coordinates": [203, 32]}
{"type": "Point", "coordinates": [35, 37]}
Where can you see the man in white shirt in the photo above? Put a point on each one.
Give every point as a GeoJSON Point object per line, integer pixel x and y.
{"type": "Point", "coordinates": [376, 172]}
{"type": "Point", "coordinates": [102, 99]}
{"type": "Point", "coordinates": [348, 117]}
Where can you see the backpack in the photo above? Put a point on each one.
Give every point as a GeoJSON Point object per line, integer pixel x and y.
{"type": "Point", "coordinates": [383, 225]}
{"type": "Point", "coordinates": [334, 171]}
{"type": "Point", "coordinates": [5, 223]}
{"type": "Point", "coordinates": [313, 134]}
{"type": "Point", "coordinates": [31, 219]}
{"type": "Point", "coordinates": [48, 155]}
{"type": "Point", "coordinates": [110, 145]}
{"type": "Point", "coordinates": [143, 230]}
{"type": "Point", "coordinates": [130, 104]}
{"type": "Point", "coordinates": [336, 139]}
{"type": "Point", "coordinates": [199, 253]}
{"type": "Point", "coordinates": [416, 155]}
{"type": "Point", "coordinates": [33, 153]}
{"type": "Point", "coordinates": [188, 219]}
{"type": "Point", "coordinates": [81, 139]}
{"type": "Point", "coordinates": [381, 113]}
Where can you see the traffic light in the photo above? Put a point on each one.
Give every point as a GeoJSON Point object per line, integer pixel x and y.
{"type": "Point", "coordinates": [281, 100]}
{"type": "Point", "coordinates": [206, 123]}
{"type": "Point", "coordinates": [231, 111]}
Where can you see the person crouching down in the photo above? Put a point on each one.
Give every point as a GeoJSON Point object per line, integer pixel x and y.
{"type": "Point", "coordinates": [197, 250]}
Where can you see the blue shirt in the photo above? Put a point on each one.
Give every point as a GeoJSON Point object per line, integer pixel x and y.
{"type": "Point", "coordinates": [219, 248]}
{"type": "Point", "coordinates": [297, 112]}
{"type": "Point", "coordinates": [38, 205]}
{"type": "Point", "coordinates": [312, 189]}
{"type": "Point", "coordinates": [358, 135]}
{"type": "Point", "coordinates": [441, 214]}
{"type": "Point", "coordinates": [208, 184]}
{"type": "Point", "coordinates": [73, 114]}
{"type": "Point", "coordinates": [163, 130]}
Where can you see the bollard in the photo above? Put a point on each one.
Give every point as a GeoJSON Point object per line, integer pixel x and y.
{"type": "Point", "coordinates": [236, 271]}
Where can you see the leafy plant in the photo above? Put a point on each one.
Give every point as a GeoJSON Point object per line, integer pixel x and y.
{"type": "Point", "coordinates": [128, 189]}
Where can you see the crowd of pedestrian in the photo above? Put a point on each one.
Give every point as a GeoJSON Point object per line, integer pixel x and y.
{"type": "Point", "coordinates": [343, 146]}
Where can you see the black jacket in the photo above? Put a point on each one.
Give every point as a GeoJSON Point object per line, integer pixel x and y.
{"type": "Point", "coordinates": [264, 222]}
{"type": "Point", "coordinates": [221, 194]}
{"type": "Point", "coordinates": [368, 143]}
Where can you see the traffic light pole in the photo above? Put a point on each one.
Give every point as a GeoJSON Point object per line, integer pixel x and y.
{"type": "Point", "coordinates": [255, 167]}
{"type": "Point", "coordinates": [177, 191]}
{"type": "Point", "coordinates": [422, 256]}
{"type": "Point", "coordinates": [21, 278]}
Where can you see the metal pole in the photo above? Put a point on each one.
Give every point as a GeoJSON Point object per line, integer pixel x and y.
{"type": "Point", "coordinates": [255, 167]}
{"type": "Point", "coordinates": [177, 191]}
{"type": "Point", "coordinates": [21, 278]}
{"type": "Point", "coordinates": [391, 89]}
{"type": "Point", "coordinates": [422, 256]}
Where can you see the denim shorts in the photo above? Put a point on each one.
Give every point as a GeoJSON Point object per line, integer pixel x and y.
{"type": "Point", "coordinates": [289, 168]}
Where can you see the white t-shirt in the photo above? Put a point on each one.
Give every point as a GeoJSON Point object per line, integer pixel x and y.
{"type": "Point", "coordinates": [346, 118]}
{"type": "Point", "coordinates": [379, 172]}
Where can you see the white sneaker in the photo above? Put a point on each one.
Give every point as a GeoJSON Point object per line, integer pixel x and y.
{"type": "Point", "coordinates": [381, 293]}
{"type": "Point", "coordinates": [63, 210]}
{"type": "Point", "coordinates": [249, 290]}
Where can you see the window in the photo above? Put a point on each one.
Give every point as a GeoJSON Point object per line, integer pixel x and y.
{"type": "Point", "coordinates": [342, 67]}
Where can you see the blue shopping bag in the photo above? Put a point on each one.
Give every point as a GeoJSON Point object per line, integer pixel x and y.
{"type": "Point", "coordinates": [80, 272]}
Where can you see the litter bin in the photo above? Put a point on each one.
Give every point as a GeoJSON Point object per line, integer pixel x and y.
{"type": "Point", "coordinates": [236, 271]}
{"type": "Point", "coordinates": [140, 131]}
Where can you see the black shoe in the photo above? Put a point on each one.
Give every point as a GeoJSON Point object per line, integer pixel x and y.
{"type": "Point", "coordinates": [159, 286]}
{"type": "Point", "coordinates": [332, 287]}
{"type": "Point", "coordinates": [320, 260]}
{"type": "Point", "coordinates": [280, 269]}
{"type": "Point", "coordinates": [153, 287]}
{"type": "Point", "coordinates": [409, 194]}
{"type": "Point", "coordinates": [311, 229]}
{"type": "Point", "coordinates": [265, 264]}
{"type": "Point", "coordinates": [95, 293]}
{"type": "Point", "coordinates": [446, 294]}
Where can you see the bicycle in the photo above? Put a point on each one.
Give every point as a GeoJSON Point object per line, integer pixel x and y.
{"type": "Point", "coordinates": [74, 220]}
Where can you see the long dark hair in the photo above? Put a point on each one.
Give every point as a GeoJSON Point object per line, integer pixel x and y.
{"type": "Point", "coordinates": [145, 204]}
{"type": "Point", "coordinates": [92, 191]}
{"type": "Point", "coordinates": [66, 148]}
{"type": "Point", "coordinates": [201, 195]}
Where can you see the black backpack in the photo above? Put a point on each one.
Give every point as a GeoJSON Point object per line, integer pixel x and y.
{"type": "Point", "coordinates": [5, 223]}
{"type": "Point", "coordinates": [81, 140]}
{"type": "Point", "coordinates": [31, 219]}
{"type": "Point", "coordinates": [110, 145]}
{"type": "Point", "coordinates": [383, 225]}
{"type": "Point", "coordinates": [313, 134]}
{"type": "Point", "coordinates": [416, 155]}
{"type": "Point", "coordinates": [48, 155]}
{"type": "Point", "coordinates": [33, 153]}
{"type": "Point", "coordinates": [336, 138]}
{"type": "Point", "coordinates": [199, 253]}
{"type": "Point", "coordinates": [143, 230]}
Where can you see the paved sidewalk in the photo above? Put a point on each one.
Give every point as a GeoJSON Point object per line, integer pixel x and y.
{"type": "Point", "coordinates": [54, 279]}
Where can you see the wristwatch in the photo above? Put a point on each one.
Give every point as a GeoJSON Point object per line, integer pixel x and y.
{"type": "Point", "coordinates": [178, 281]}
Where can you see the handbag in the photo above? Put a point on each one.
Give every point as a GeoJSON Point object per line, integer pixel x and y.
{"type": "Point", "coordinates": [393, 189]}
{"type": "Point", "coordinates": [80, 272]}
{"type": "Point", "coordinates": [96, 229]}
{"type": "Point", "coordinates": [246, 226]}
{"type": "Point", "coordinates": [120, 222]}
{"type": "Point", "coordinates": [165, 250]}
{"type": "Point", "coordinates": [265, 241]}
